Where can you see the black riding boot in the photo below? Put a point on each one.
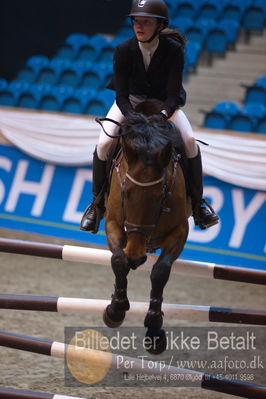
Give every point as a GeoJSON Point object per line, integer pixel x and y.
{"type": "Point", "coordinates": [94, 212]}
{"type": "Point", "coordinates": [203, 214]}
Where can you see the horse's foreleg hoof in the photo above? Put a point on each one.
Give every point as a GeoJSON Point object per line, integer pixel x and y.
{"type": "Point", "coordinates": [113, 319]}
{"type": "Point", "coordinates": [153, 319]}
{"type": "Point", "coordinates": [155, 341]}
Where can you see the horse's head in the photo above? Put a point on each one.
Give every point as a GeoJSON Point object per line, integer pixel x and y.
{"type": "Point", "coordinates": [147, 143]}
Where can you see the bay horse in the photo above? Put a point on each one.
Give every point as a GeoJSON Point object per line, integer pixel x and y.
{"type": "Point", "coordinates": [147, 209]}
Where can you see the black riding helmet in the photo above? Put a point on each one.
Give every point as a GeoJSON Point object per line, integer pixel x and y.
{"type": "Point", "coordinates": [150, 8]}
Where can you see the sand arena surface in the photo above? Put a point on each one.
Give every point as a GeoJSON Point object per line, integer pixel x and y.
{"type": "Point", "coordinates": [28, 275]}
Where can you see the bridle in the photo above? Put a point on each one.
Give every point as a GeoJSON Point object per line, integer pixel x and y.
{"type": "Point", "coordinates": [146, 184]}
{"type": "Point", "coordinates": [144, 229]}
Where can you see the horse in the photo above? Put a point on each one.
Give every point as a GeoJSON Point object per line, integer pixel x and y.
{"type": "Point", "coordinates": [147, 209]}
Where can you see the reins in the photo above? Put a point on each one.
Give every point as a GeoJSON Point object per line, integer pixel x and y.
{"type": "Point", "coordinates": [100, 120]}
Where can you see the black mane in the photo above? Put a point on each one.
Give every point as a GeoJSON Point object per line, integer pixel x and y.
{"type": "Point", "coordinates": [149, 134]}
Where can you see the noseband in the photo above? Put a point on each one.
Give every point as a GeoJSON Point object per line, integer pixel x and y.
{"type": "Point", "coordinates": [148, 184]}
{"type": "Point", "coordinates": [145, 229]}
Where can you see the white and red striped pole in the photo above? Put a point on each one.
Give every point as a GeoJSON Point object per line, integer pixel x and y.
{"type": "Point", "coordinates": [180, 312]}
{"type": "Point", "coordinates": [103, 257]}
{"type": "Point", "coordinates": [202, 380]}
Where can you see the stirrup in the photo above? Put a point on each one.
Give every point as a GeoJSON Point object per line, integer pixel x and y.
{"type": "Point", "coordinates": [208, 217]}
{"type": "Point", "coordinates": [91, 218]}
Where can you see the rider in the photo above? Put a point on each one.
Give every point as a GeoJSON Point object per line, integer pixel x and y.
{"type": "Point", "coordinates": [149, 66]}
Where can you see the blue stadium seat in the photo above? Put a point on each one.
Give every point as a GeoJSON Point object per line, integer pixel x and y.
{"type": "Point", "coordinates": [261, 81]}
{"type": "Point", "coordinates": [216, 42]}
{"type": "Point", "coordinates": [182, 23]}
{"type": "Point", "coordinates": [171, 6]}
{"type": "Point", "coordinates": [242, 123]}
{"type": "Point", "coordinates": [243, 4]}
{"type": "Point", "coordinates": [10, 93]}
{"type": "Point", "coordinates": [208, 9]}
{"type": "Point", "coordinates": [186, 8]}
{"type": "Point", "coordinates": [30, 71]}
{"type": "Point", "coordinates": [262, 4]}
{"type": "Point", "coordinates": [206, 24]}
{"type": "Point", "coordinates": [54, 100]}
{"type": "Point", "coordinates": [40, 89]}
{"type": "Point", "coordinates": [78, 101]}
{"type": "Point", "coordinates": [247, 119]}
{"type": "Point", "coordinates": [8, 97]}
{"type": "Point", "coordinates": [195, 33]}
{"type": "Point", "coordinates": [125, 29]}
{"type": "Point", "coordinates": [215, 120]}
{"type": "Point", "coordinates": [101, 104]}
{"type": "Point", "coordinates": [253, 18]}
{"type": "Point", "coordinates": [51, 73]}
{"type": "Point", "coordinates": [92, 79]}
{"type": "Point", "coordinates": [3, 84]}
{"type": "Point", "coordinates": [98, 76]}
{"type": "Point", "coordinates": [106, 53]}
{"type": "Point", "coordinates": [18, 86]}
{"type": "Point", "coordinates": [261, 126]}
{"type": "Point", "coordinates": [227, 108]}
{"type": "Point", "coordinates": [254, 110]}
{"type": "Point", "coordinates": [71, 46]}
{"type": "Point", "coordinates": [91, 50]}
{"type": "Point", "coordinates": [70, 75]}
{"type": "Point", "coordinates": [28, 99]}
{"type": "Point", "coordinates": [231, 11]}
{"type": "Point", "coordinates": [31, 97]}
{"type": "Point", "coordinates": [118, 39]}
{"type": "Point", "coordinates": [255, 94]}
{"type": "Point", "coordinates": [231, 28]}
{"type": "Point", "coordinates": [105, 100]}
{"type": "Point", "coordinates": [192, 54]}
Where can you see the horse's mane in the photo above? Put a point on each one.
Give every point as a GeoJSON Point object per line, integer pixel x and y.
{"type": "Point", "coordinates": [149, 134]}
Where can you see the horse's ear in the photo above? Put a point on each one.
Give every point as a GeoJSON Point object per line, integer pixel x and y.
{"type": "Point", "coordinates": [128, 152]}
{"type": "Point", "coordinates": [165, 155]}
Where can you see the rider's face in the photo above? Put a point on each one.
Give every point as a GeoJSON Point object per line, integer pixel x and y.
{"type": "Point", "coordinates": [144, 27]}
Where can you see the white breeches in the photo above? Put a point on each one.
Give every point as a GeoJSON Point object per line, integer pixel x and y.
{"type": "Point", "coordinates": [178, 118]}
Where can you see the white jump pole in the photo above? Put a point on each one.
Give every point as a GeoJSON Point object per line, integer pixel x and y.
{"type": "Point", "coordinates": [103, 257]}
{"type": "Point", "coordinates": [121, 362]}
{"type": "Point", "coordinates": [171, 311]}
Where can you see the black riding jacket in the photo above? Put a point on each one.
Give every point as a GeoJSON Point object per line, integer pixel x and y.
{"type": "Point", "coordinates": [162, 80]}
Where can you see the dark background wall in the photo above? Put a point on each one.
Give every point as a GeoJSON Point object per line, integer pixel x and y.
{"type": "Point", "coordinates": [29, 27]}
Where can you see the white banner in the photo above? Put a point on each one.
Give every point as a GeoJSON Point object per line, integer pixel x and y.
{"type": "Point", "coordinates": [70, 140]}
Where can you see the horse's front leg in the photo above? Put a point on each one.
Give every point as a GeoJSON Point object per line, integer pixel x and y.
{"type": "Point", "coordinates": [114, 314]}
{"type": "Point", "coordinates": [155, 341]}
{"type": "Point", "coordinates": [159, 276]}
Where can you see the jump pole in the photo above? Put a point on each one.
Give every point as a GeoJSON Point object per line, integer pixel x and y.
{"type": "Point", "coordinates": [103, 257]}
{"type": "Point", "coordinates": [60, 350]}
{"type": "Point", "coordinates": [180, 312]}
{"type": "Point", "coordinates": [9, 393]}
